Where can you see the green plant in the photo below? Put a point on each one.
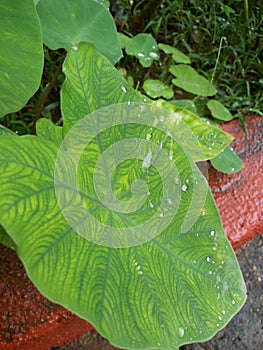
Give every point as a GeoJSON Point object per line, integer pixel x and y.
{"type": "Point", "coordinates": [110, 207]}
{"type": "Point", "coordinates": [188, 80]}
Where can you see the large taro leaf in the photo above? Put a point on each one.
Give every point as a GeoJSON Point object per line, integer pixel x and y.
{"type": "Point", "coordinates": [21, 54]}
{"type": "Point", "coordinates": [92, 83]}
{"type": "Point", "coordinates": [67, 23]}
{"type": "Point", "coordinates": [140, 288]}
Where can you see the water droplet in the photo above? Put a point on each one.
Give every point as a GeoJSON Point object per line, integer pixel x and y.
{"type": "Point", "coordinates": [171, 151]}
{"type": "Point", "coordinates": [233, 302]}
{"type": "Point", "coordinates": [144, 100]}
{"type": "Point", "coordinates": [208, 259]}
{"type": "Point", "coordinates": [148, 136]}
{"type": "Point", "coordinates": [147, 160]}
{"type": "Point", "coordinates": [203, 212]}
{"type": "Point", "coordinates": [134, 262]}
{"type": "Point", "coordinates": [129, 102]}
{"type": "Point", "coordinates": [212, 233]}
{"type": "Point", "coordinates": [184, 188]}
{"type": "Point", "coordinates": [123, 89]}
{"type": "Point", "coordinates": [224, 312]}
{"type": "Point", "coordinates": [180, 332]}
{"type": "Point", "coordinates": [158, 344]}
{"type": "Point", "coordinates": [210, 272]}
{"type": "Point", "coordinates": [75, 47]}
{"type": "Point", "coordinates": [169, 201]}
{"type": "Point", "coordinates": [140, 54]}
{"type": "Point", "coordinates": [194, 262]}
{"type": "Point", "coordinates": [153, 54]}
{"type": "Point", "coordinates": [154, 46]}
{"type": "Point", "coordinates": [151, 204]}
{"type": "Point", "coordinates": [220, 318]}
{"type": "Point", "coordinates": [176, 180]}
{"type": "Point", "coordinates": [232, 170]}
{"type": "Point", "coordinates": [161, 215]}
{"type": "Point", "coordinates": [161, 118]}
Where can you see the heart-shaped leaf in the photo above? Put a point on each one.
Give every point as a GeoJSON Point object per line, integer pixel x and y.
{"type": "Point", "coordinates": [189, 80]}
{"type": "Point", "coordinates": [144, 47]}
{"type": "Point", "coordinates": [156, 88]}
{"type": "Point", "coordinates": [67, 23]}
{"type": "Point", "coordinates": [119, 218]}
{"type": "Point", "coordinates": [146, 294]}
{"type": "Point", "coordinates": [219, 111]}
{"type": "Point", "coordinates": [21, 54]}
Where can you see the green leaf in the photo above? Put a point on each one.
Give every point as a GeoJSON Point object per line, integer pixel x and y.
{"type": "Point", "coordinates": [144, 47]}
{"type": "Point", "coordinates": [227, 161]}
{"type": "Point", "coordinates": [21, 54]}
{"type": "Point", "coordinates": [123, 39]}
{"type": "Point", "coordinates": [156, 88]}
{"type": "Point", "coordinates": [46, 129]}
{"type": "Point", "coordinates": [67, 23]}
{"type": "Point", "coordinates": [185, 104]}
{"type": "Point", "coordinates": [202, 141]}
{"type": "Point", "coordinates": [189, 80]}
{"type": "Point", "coordinates": [143, 296]}
{"type": "Point", "coordinates": [219, 111]}
{"type": "Point", "coordinates": [6, 240]}
{"type": "Point", "coordinates": [79, 98]}
{"type": "Point", "coordinates": [6, 131]}
{"type": "Point", "coordinates": [178, 56]}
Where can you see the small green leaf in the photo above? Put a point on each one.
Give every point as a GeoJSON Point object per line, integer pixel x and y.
{"type": "Point", "coordinates": [144, 47]}
{"type": "Point", "coordinates": [219, 111]}
{"type": "Point", "coordinates": [6, 131]}
{"type": "Point", "coordinates": [6, 240]}
{"type": "Point", "coordinates": [46, 129]}
{"type": "Point", "coordinates": [123, 39]}
{"type": "Point", "coordinates": [67, 23]}
{"type": "Point", "coordinates": [227, 161]}
{"type": "Point", "coordinates": [178, 56]}
{"type": "Point", "coordinates": [189, 80]}
{"type": "Point", "coordinates": [21, 54]}
{"type": "Point", "coordinates": [156, 88]}
{"type": "Point", "coordinates": [185, 104]}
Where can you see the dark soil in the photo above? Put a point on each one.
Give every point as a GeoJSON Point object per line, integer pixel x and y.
{"type": "Point", "coordinates": [245, 330]}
